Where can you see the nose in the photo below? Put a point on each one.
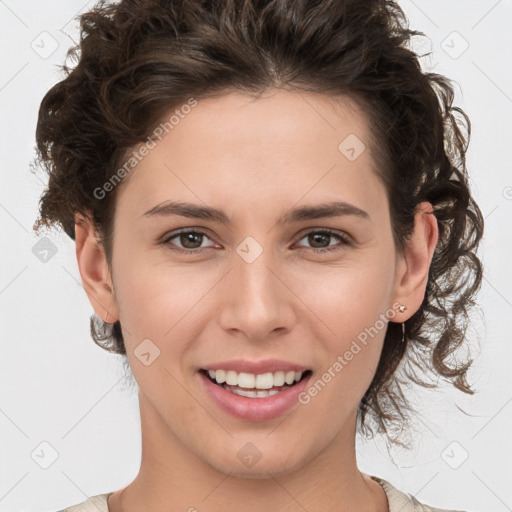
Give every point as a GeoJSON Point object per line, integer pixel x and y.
{"type": "Point", "coordinates": [256, 301]}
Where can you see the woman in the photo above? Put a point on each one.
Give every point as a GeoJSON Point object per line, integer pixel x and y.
{"type": "Point", "coordinates": [271, 212]}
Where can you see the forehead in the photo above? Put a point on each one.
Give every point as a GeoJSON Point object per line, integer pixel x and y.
{"type": "Point", "coordinates": [275, 118]}
{"type": "Point", "coordinates": [281, 143]}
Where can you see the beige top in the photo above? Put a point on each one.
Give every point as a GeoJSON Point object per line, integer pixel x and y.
{"type": "Point", "coordinates": [398, 501]}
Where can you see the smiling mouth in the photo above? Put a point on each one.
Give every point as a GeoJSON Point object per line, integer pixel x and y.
{"type": "Point", "coordinates": [257, 386]}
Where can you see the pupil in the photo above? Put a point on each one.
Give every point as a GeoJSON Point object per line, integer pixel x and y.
{"type": "Point", "coordinates": [188, 237]}
{"type": "Point", "coordinates": [319, 235]}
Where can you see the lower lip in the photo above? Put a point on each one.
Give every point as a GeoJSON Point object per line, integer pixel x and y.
{"type": "Point", "coordinates": [255, 409]}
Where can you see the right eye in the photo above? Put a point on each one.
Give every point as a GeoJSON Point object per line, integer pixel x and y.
{"type": "Point", "coordinates": [187, 237]}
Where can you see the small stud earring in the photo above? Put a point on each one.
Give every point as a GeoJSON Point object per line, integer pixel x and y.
{"type": "Point", "coordinates": [402, 308]}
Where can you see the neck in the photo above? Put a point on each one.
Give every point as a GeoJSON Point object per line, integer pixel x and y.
{"type": "Point", "coordinates": [172, 477]}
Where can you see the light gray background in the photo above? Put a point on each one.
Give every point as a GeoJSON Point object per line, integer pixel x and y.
{"type": "Point", "coordinates": [64, 398]}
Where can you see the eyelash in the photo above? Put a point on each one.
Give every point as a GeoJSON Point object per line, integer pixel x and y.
{"type": "Point", "coordinates": [339, 236]}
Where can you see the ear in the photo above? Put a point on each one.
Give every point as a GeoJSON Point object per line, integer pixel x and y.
{"type": "Point", "coordinates": [413, 266]}
{"type": "Point", "coordinates": [94, 271]}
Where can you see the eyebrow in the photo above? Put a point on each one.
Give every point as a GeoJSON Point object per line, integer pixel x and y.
{"type": "Point", "coordinates": [193, 211]}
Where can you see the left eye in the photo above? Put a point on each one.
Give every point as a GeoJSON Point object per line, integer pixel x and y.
{"type": "Point", "coordinates": [316, 237]}
{"type": "Point", "coordinates": [192, 239]}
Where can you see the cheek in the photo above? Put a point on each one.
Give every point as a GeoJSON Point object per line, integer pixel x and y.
{"type": "Point", "coordinates": [350, 307]}
{"type": "Point", "coordinates": [158, 308]}
{"type": "Point", "coordinates": [162, 302]}
{"type": "Point", "coordinates": [350, 351]}
{"type": "Point", "coordinates": [149, 289]}
{"type": "Point", "coordinates": [348, 299]}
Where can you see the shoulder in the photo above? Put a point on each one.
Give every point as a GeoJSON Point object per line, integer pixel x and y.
{"type": "Point", "coordinates": [404, 502]}
{"type": "Point", "coordinates": [96, 503]}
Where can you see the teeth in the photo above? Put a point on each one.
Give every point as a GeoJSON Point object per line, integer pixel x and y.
{"type": "Point", "coordinates": [260, 393]}
{"type": "Point", "coordinates": [231, 377]}
{"type": "Point", "coordinates": [289, 377]}
{"type": "Point", "coordinates": [279, 378]}
{"type": "Point", "coordinates": [247, 380]}
{"type": "Point", "coordinates": [261, 381]}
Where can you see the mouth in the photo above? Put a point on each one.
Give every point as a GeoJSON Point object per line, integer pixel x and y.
{"type": "Point", "coordinates": [255, 385]}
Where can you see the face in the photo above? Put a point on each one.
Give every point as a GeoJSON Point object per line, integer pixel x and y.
{"type": "Point", "coordinates": [261, 290]}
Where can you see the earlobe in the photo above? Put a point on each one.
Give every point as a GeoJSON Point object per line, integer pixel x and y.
{"type": "Point", "coordinates": [414, 267]}
{"type": "Point", "coordinates": [94, 271]}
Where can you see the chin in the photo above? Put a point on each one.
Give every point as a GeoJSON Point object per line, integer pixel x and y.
{"type": "Point", "coordinates": [274, 466]}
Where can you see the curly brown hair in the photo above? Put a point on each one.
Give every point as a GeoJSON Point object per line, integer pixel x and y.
{"type": "Point", "coordinates": [138, 59]}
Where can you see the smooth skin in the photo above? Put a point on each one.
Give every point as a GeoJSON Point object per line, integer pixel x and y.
{"type": "Point", "coordinates": [254, 159]}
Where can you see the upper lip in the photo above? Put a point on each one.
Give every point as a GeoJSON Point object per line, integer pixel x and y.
{"type": "Point", "coordinates": [256, 367]}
